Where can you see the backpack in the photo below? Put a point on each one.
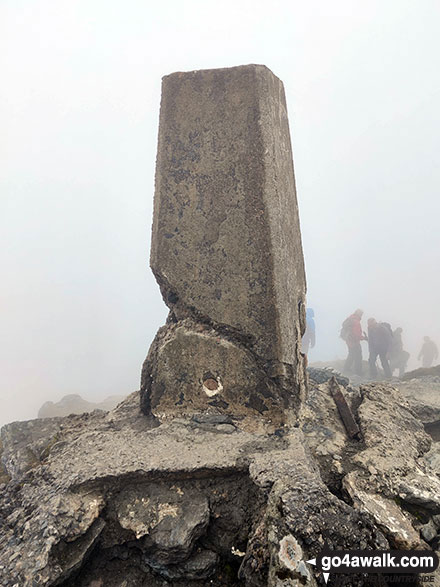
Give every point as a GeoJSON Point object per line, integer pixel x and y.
{"type": "Point", "coordinates": [346, 329]}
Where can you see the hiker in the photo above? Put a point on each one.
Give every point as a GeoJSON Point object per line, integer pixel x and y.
{"type": "Point", "coordinates": [428, 352]}
{"type": "Point", "coordinates": [352, 333]}
{"type": "Point", "coordinates": [398, 357]}
{"type": "Point", "coordinates": [380, 338]}
{"type": "Point", "coordinates": [309, 338]}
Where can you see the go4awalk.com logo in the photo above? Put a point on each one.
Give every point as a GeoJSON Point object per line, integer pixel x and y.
{"type": "Point", "coordinates": [390, 562]}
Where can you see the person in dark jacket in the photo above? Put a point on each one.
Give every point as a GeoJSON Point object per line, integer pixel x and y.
{"type": "Point", "coordinates": [398, 356]}
{"type": "Point", "coordinates": [380, 338]}
{"type": "Point", "coordinates": [352, 334]}
{"type": "Point", "coordinates": [428, 352]}
{"type": "Point", "coordinates": [309, 338]}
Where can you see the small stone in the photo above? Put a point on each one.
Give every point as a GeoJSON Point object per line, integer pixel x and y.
{"type": "Point", "coordinates": [225, 428]}
{"type": "Point", "coordinates": [436, 521]}
{"type": "Point", "coordinates": [428, 531]}
{"type": "Point", "coordinates": [211, 384]}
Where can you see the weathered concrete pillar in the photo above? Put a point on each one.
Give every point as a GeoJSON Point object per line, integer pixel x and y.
{"type": "Point", "coordinates": [226, 249]}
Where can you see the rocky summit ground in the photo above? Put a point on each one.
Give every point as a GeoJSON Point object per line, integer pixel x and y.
{"type": "Point", "coordinates": [112, 499]}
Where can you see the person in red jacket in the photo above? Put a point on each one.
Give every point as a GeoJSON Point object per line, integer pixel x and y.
{"type": "Point", "coordinates": [352, 334]}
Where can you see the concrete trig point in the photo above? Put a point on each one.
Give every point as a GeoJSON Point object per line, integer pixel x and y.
{"type": "Point", "coordinates": [226, 251]}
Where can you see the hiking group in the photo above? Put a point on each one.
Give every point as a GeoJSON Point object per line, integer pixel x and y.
{"type": "Point", "coordinates": [383, 342]}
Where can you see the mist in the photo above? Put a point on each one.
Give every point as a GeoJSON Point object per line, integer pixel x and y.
{"type": "Point", "coordinates": [78, 116]}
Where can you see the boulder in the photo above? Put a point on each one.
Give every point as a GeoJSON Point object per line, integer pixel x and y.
{"type": "Point", "coordinates": [75, 404]}
{"type": "Point", "coordinates": [423, 395]}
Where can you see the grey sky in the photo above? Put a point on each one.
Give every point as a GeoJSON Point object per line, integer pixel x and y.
{"type": "Point", "coordinates": [78, 119]}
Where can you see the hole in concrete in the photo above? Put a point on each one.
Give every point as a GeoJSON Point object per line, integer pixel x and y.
{"type": "Point", "coordinates": [211, 384]}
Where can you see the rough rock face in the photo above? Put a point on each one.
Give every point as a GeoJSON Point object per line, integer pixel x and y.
{"type": "Point", "coordinates": [322, 375]}
{"type": "Point", "coordinates": [421, 389]}
{"type": "Point", "coordinates": [391, 474]}
{"type": "Point", "coordinates": [423, 395]}
{"type": "Point", "coordinates": [115, 497]}
{"type": "Point", "coordinates": [75, 404]}
{"type": "Point", "coordinates": [422, 372]}
{"type": "Point", "coordinates": [226, 249]}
